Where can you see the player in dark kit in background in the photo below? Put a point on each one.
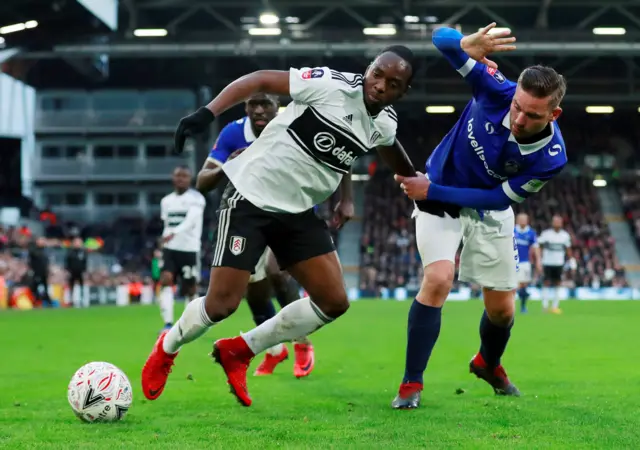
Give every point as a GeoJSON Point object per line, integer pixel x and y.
{"type": "Point", "coordinates": [39, 270]}
{"type": "Point", "coordinates": [235, 138]}
{"type": "Point", "coordinates": [76, 265]}
{"type": "Point", "coordinates": [296, 163]}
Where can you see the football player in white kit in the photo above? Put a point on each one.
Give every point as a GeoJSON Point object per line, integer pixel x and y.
{"type": "Point", "coordinates": [556, 250]}
{"type": "Point", "coordinates": [235, 138]}
{"type": "Point", "coordinates": [297, 162]}
{"type": "Point", "coordinates": [182, 212]}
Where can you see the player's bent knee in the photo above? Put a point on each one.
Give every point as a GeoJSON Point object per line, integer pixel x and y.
{"type": "Point", "coordinates": [500, 306]}
{"type": "Point", "coordinates": [437, 283]}
{"type": "Point", "coordinates": [221, 303]}
{"type": "Point", "coordinates": [166, 279]}
{"type": "Point", "coordinates": [332, 303]}
{"type": "Point", "coordinates": [226, 289]}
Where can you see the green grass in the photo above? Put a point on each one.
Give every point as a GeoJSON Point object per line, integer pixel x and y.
{"type": "Point", "coordinates": [578, 373]}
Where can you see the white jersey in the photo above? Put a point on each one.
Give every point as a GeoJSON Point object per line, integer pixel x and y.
{"type": "Point", "coordinates": [182, 216]}
{"type": "Point", "coordinates": [302, 154]}
{"type": "Point", "coordinates": [554, 246]}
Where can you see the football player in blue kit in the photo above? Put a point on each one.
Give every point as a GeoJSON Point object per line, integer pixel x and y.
{"type": "Point", "coordinates": [504, 148]}
{"type": "Point", "coordinates": [528, 252]}
{"type": "Point", "coordinates": [234, 138]}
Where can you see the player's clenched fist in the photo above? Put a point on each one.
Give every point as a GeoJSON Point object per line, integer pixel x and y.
{"type": "Point", "coordinates": [416, 187]}
{"type": "Point", "coordinates": [192, 125]}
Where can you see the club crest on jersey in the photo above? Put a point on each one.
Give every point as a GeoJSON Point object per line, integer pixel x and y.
{"type": "Point", "coordinates": [237, 245]}
{"type": "Point", "coordinates": [511, 167]}
{"type": "Point", "coordinates": [496, 74]}
{"type": "Point", "coordinates": [312, 73]}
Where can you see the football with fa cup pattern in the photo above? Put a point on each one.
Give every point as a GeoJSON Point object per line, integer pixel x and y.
{"type": "Point", "coordinates": [99, 392]}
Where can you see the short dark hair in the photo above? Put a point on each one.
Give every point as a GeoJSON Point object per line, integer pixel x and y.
{"type": "Point", "coordinates": [270, 97]}
{"type": "Point", "coordinates": [404, 53]}
{"type": "Point", "coordinates": [182, 167]}
{"type": "Point", "coordinates": [543, 81]}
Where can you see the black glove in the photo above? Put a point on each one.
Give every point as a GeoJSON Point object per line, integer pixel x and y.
{"type": "Point", "coordinates": [192, 125]}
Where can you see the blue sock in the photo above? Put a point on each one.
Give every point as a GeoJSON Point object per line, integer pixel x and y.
{"type": "Point", "coordinates": [262, 311]}
{"type": "Point", "coordinates": [422, 333]}
{"type": "Point", "coordinates": [493, 340]}
{"type": "Point", "coordinates": [523, 293]}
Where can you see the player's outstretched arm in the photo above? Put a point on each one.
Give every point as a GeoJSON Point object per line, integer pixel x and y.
{"type": "Point", "coordinates": [458, 49]}
{"type": "Point", "coordinates": [514, 190]}
{"type": "Point", "coordinates": [263, 81]}
{"type": "Point", "coordinates": [345, 209]}
{"type": "Point", "coordinates": [267, 81]}
{"type": "Point", "coordinates": [208, 177]}
{"type": "Point", "coordinates": [397, 159]}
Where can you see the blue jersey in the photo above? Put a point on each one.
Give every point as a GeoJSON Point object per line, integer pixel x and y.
{"type": "Point", "coordinates": [525, 239]}
{"type": "Point", "coordinates": [480, 153]}
{"type": "Point", "coordinates": [236, 135]}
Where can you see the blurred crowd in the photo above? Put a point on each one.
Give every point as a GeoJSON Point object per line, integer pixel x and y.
{"type": "Point", "coordinates": [630, 196]}
{"type": "Point", "coordinates": [127, 252]}
{"type": "Point", "coordinates": [40, 263]}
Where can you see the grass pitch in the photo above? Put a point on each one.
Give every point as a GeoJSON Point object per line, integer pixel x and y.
{"type": "Point", "coordinates": [578, 373]}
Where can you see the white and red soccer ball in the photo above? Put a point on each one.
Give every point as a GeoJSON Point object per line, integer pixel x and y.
{"type": "Point", "coordinates": [99, 392]}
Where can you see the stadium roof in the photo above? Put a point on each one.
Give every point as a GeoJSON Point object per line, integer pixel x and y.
{"type": "Point", "coordinates": [209, 42]}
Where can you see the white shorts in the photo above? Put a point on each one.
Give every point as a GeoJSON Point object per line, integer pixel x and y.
{"type": "Point", "coordinates": [489, 254]}
{"type": "Point", "coordinates": [524, 272]}
{"type": "Point", "coordinates": [260, 272]}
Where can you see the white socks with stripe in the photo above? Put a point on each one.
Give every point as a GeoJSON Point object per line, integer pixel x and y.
{"type": "Point", "coordinates": [556, 297]}
{"type": "Point", "coordinates": [193, 323]}
{"type": "Point", "coordinates": [294, 321]}
{"type": "Point", "coordinates": [276, 349]}
{"type": "Point", "coordinates": [166, 304]}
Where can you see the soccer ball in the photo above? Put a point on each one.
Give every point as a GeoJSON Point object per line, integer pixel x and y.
{"type": "Point", "coordinates": [99, 392]}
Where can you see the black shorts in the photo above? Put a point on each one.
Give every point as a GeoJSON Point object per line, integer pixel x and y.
{"type": "Point", "coordinates": [553, 273]}
{"type": "Point", "coordinates": [244, 231]}
{"type": "Point", "coordinates": [182, 265]}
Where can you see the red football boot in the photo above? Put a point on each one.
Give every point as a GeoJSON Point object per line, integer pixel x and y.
{"type": "Point", "coordinates": [269, 363]}
{"type": "Point", "coordinates": [408, 396]}
{"type": "Point", "coordinates": [234, 355]}
{"type": "Point", "coordinates": [305, 360]}
{"type": "Point", "coordinates": [496, 377]}
{"type": "Point", "coordinates": [156, 370]}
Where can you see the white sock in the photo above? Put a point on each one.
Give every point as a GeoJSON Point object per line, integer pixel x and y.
{"type": "Point", "coordinates": [556, 297]}
{"type": "Point", "coordinates": [545, 298]}
{"type": "Point", "coordinates": [193, 323]}
{"type": "Point", "coordinates": [166, 304]}
{"type": "Point", "coordinates": [276, 349]}
{"type": "Point", "coordinates": [297, 319]}
{"type": "Point", "coordinates": [302, 340]}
